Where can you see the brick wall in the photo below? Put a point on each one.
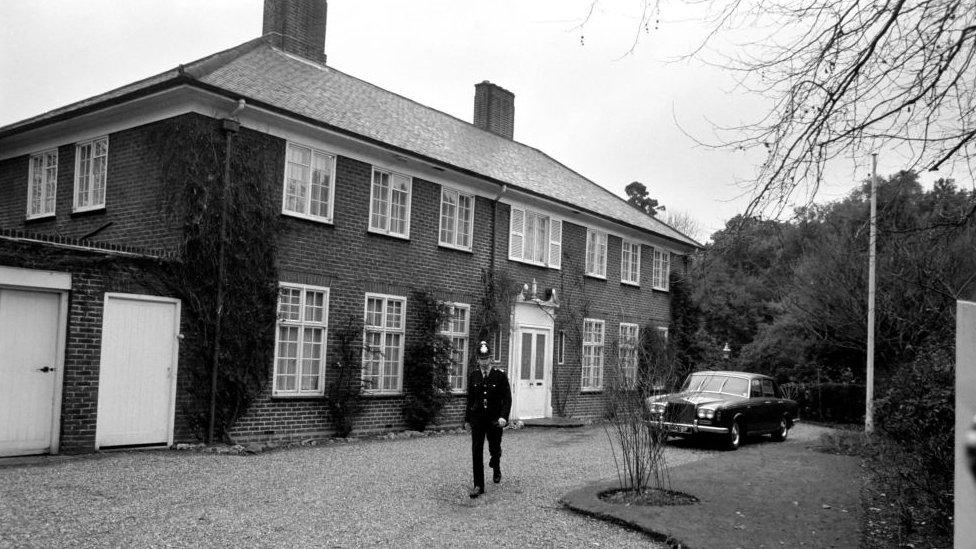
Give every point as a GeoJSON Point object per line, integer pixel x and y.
{"type": "Point", "coordinates": [136, 203]}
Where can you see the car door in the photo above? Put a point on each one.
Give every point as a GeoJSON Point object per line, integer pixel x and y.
{"type": "Point", "coordinates": [758, 411]}
{"type": "Point", "coordinates": [772, 406]}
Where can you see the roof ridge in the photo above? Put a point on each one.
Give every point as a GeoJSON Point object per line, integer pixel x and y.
{"type": "Point", "coordinates": [208, 64]}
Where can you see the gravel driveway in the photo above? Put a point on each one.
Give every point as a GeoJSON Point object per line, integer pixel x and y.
{"type": "Point", "coordinates": [410, 492]}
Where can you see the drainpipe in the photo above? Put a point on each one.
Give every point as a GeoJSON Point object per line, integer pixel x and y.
{"type": "Point", "coordinates": [230, 127]}
{"type": "Point", "coordinates": [494, 219]}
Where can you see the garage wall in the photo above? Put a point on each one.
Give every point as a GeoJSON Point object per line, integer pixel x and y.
{"type": "Point", "coordinates": [93, 273]}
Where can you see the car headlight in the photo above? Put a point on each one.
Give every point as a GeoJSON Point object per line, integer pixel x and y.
{"type": "Point", "coordinates": [658, 407]}
{"type": "Point", "coordinates": [706, 413]}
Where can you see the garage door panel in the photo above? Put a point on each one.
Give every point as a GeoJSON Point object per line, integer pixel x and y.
{"type": "Point", "coordinates": [136, 373]}
{"type": "Point", "coordinates": [29, 335]}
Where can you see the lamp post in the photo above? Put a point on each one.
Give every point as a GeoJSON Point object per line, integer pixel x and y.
{"type": "Point", "coordinates": [726, 351]}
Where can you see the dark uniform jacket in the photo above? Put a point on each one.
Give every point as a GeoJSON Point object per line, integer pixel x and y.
{"type": "Point", "coordinates": [488, 398]}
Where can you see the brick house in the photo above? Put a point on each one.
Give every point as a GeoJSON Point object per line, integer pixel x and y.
{"type": "Point", "coordinates": [377, 196]}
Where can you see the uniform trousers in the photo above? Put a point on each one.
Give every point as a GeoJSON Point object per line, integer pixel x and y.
{"type": "Point", "coordinates": [480, 430]}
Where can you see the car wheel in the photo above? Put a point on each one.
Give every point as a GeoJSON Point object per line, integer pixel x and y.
{"type": "Point", "coordinates": [779, 435]}
{"type": "Point", "coordinates": [735, 436]}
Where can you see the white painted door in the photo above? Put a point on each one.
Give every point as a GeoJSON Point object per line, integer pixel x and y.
{"type": "Point", "coordinates": [138, 370]}
{"type": "Point", "coordinates": [29, 335]}
{"type": "Point", "coordinates": [532, 387]}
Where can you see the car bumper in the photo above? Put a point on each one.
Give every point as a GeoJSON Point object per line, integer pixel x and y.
{"type": "Point", "coordinates": [693, 428]}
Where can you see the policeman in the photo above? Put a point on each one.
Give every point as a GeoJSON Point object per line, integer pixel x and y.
{"type": "Point", "coordinates": [486, 413]}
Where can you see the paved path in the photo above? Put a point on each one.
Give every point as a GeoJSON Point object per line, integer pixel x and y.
{"type": "Point", "coordinates": [409, 493]}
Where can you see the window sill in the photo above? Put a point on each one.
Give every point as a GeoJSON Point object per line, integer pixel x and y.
{"type": "Point", "coordinates": [591, 391]}
{"type": "Point", "coordinates": [303, 396]}
{"type": "Point", "coordinates": [306, 217]}
{"type": "Point", "coordinates": [40, 217]}
{"type": "Point", "coordinates": [629, 283]}
{"type": "Point", "coordinates": [389, 235]}
{"type": "Point", "coordinates": [455, 248]}
{"type": "Point", "coordinates": [384, 394]}
{"type": "Point", "coordinates": [88, 211]}
{"type": "Point", "coordinates": [533, 263]}
{"type": "Point", "coordinates": [655, 288]}
{"type": "Point", "coordinates": [596, 276]}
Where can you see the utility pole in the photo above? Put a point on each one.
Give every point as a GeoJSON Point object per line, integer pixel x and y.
{"type": "Point", "coordinates": [869, 397]}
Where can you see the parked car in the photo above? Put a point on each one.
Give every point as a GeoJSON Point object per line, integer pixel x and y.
{"type": "Point", "coordinates": [725, 404]}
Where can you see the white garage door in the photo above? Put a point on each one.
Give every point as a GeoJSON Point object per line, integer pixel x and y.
{"type": "Point", "coordinates": [29, 339]}
{"type": "Point", "coordinates": [136, 380]}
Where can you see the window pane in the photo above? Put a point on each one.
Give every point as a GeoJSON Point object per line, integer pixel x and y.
{"type": "Point", "coordinates": [381, 201]}
{"type": "Point", "coordinates": [289, 303]}
{"type": "Point", "coordinates": [320, 185]}
{"type": "Point", "coordinates": [540, 355]}
{"type": "Point", "coordinates": [448, 216]}
{"type": "Point", "coordinates": [394, 314]}
{"type": "Point", "coordinates": [526, 371]}
{"type": "Point", "coordinates": [464, 221]}
{"type": "Point", "coordinates": [314, 306]}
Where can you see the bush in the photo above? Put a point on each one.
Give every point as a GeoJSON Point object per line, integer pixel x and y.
{"type": "Point", "coordinates": [831, 402]}
{"type": "Point", "coordinates": [917, 415]}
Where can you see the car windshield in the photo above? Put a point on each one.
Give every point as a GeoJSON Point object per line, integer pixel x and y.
{"type": "Point", "coordinates": [711, 383]}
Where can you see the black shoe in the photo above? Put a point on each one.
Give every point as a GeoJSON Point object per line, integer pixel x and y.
{"type": "Point", "coordinates": [476, 491]}
{"type": "Point", "coordinates": [497, 477]}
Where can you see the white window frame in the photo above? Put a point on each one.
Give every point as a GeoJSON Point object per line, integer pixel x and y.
{"type": "Point", "coordinates": [627, 250]}
{"type": "Point", "coordinates": [384, 330]}
{"type": "Point", "coordinates": [461, 362]}
{"type": "Point", "coordinates": [627, 345]}
{"type": "Point", "coordinates": [458, 227]}
{"type": "Point", "coordinates": [552, 238]}
{"type": "Point", "coordinates": [594, 350]}
{"type": "Point", "coordinates": [90, 173]}
{"type": "Point", "coordinates": [663, 332]}
{"type": "Point", "coordinates": [596, 254]}
{"type": "Point", "coordinates": [302, 324]}
{"type": "Point", "coordinates": [662, 269]}
{"type": "Point", "coordinates": [43, 186]}
{"type": "Point", "coordinates": [306, 214]}
{"type": "Point", "coordinates": [387, 213]}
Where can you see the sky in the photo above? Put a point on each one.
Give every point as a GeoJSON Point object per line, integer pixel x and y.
{"type": "Point", "coordinates": [582, 94]}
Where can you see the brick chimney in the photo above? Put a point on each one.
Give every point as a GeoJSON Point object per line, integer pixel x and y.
{"type": "Point", "coordinates": [297, 26]}
{"type": "Point", "coordinates": [494, 109]}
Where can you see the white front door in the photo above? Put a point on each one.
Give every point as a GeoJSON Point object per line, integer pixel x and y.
{"type": "Point", "coordinates": [29, 336]}
{"type": "Point", "coordinates": [137, 376]}
{"type": "Point", "coordinates": [533, 372]}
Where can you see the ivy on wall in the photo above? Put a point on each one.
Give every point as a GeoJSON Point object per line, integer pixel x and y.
{"type": "Point", "coordinates": [427, 363]}
{"type": "Point", "coordinates": [190, 155]}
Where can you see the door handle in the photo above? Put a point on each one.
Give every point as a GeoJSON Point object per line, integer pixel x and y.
{"type": "Point", "coordinates": [46, 369]}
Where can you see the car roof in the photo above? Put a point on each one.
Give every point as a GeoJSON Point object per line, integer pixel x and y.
{"type": "Point", "coordinates": [749, 375]}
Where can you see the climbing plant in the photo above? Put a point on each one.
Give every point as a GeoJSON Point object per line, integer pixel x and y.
{"type": "Point", "coordinates": [345, 390]}
{"type": "Point", "coordinates": [190, 154]}
{"type": "Point", "coordinates": [427, 363]}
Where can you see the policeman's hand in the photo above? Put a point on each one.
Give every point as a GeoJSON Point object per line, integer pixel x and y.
{"type": "Point", "coordinates": [467, 426]}
{"type": "Point", "coordinates": [502, 422]}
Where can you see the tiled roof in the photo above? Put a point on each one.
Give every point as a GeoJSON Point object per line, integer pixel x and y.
{"type": "Point", "coordinates": [261, 73]}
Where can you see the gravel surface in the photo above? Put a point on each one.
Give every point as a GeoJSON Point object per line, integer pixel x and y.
{"type": "Point", "coordinates": [409, 492]}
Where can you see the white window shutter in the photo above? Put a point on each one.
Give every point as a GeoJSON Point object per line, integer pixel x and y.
{"type": "Point", "coordinates": [516, 234]}
{"type": "Point", "coordinates": [555, 243]}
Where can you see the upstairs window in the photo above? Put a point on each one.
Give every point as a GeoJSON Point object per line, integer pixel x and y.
{"type": "Point", "coordinates": [535, 238]}
{"type": "Point", "coordinates": [627, 346]}
{"type": "Point", "coordinates": [593, 331]}
{"type": "Point", "coordinates": [596, 253]}
{"type": "Point", "coordinates": [300, 340]}
{"type": "Point", "coordinates": [42, 184]}
{"type": "Point", "coordinates": [630, 260]}
{"type": "Point", "coordinates": [91, 166]}
{"type": "Point", "coordinates": [457, 217]}
{"type": "Point", "coordinates": [455, 328]}
{"type": "Point", "coordinates": [309, 188]}
{"type": "Point", "coordinates": [390, 203]}
{"type": "Point", "coordinates": [662, 268]}
{"type": "Point", "coordinates": [384, 325]}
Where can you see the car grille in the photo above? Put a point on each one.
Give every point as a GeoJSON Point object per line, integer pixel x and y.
{"type": "Point", "coordinates": [679, 412]}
